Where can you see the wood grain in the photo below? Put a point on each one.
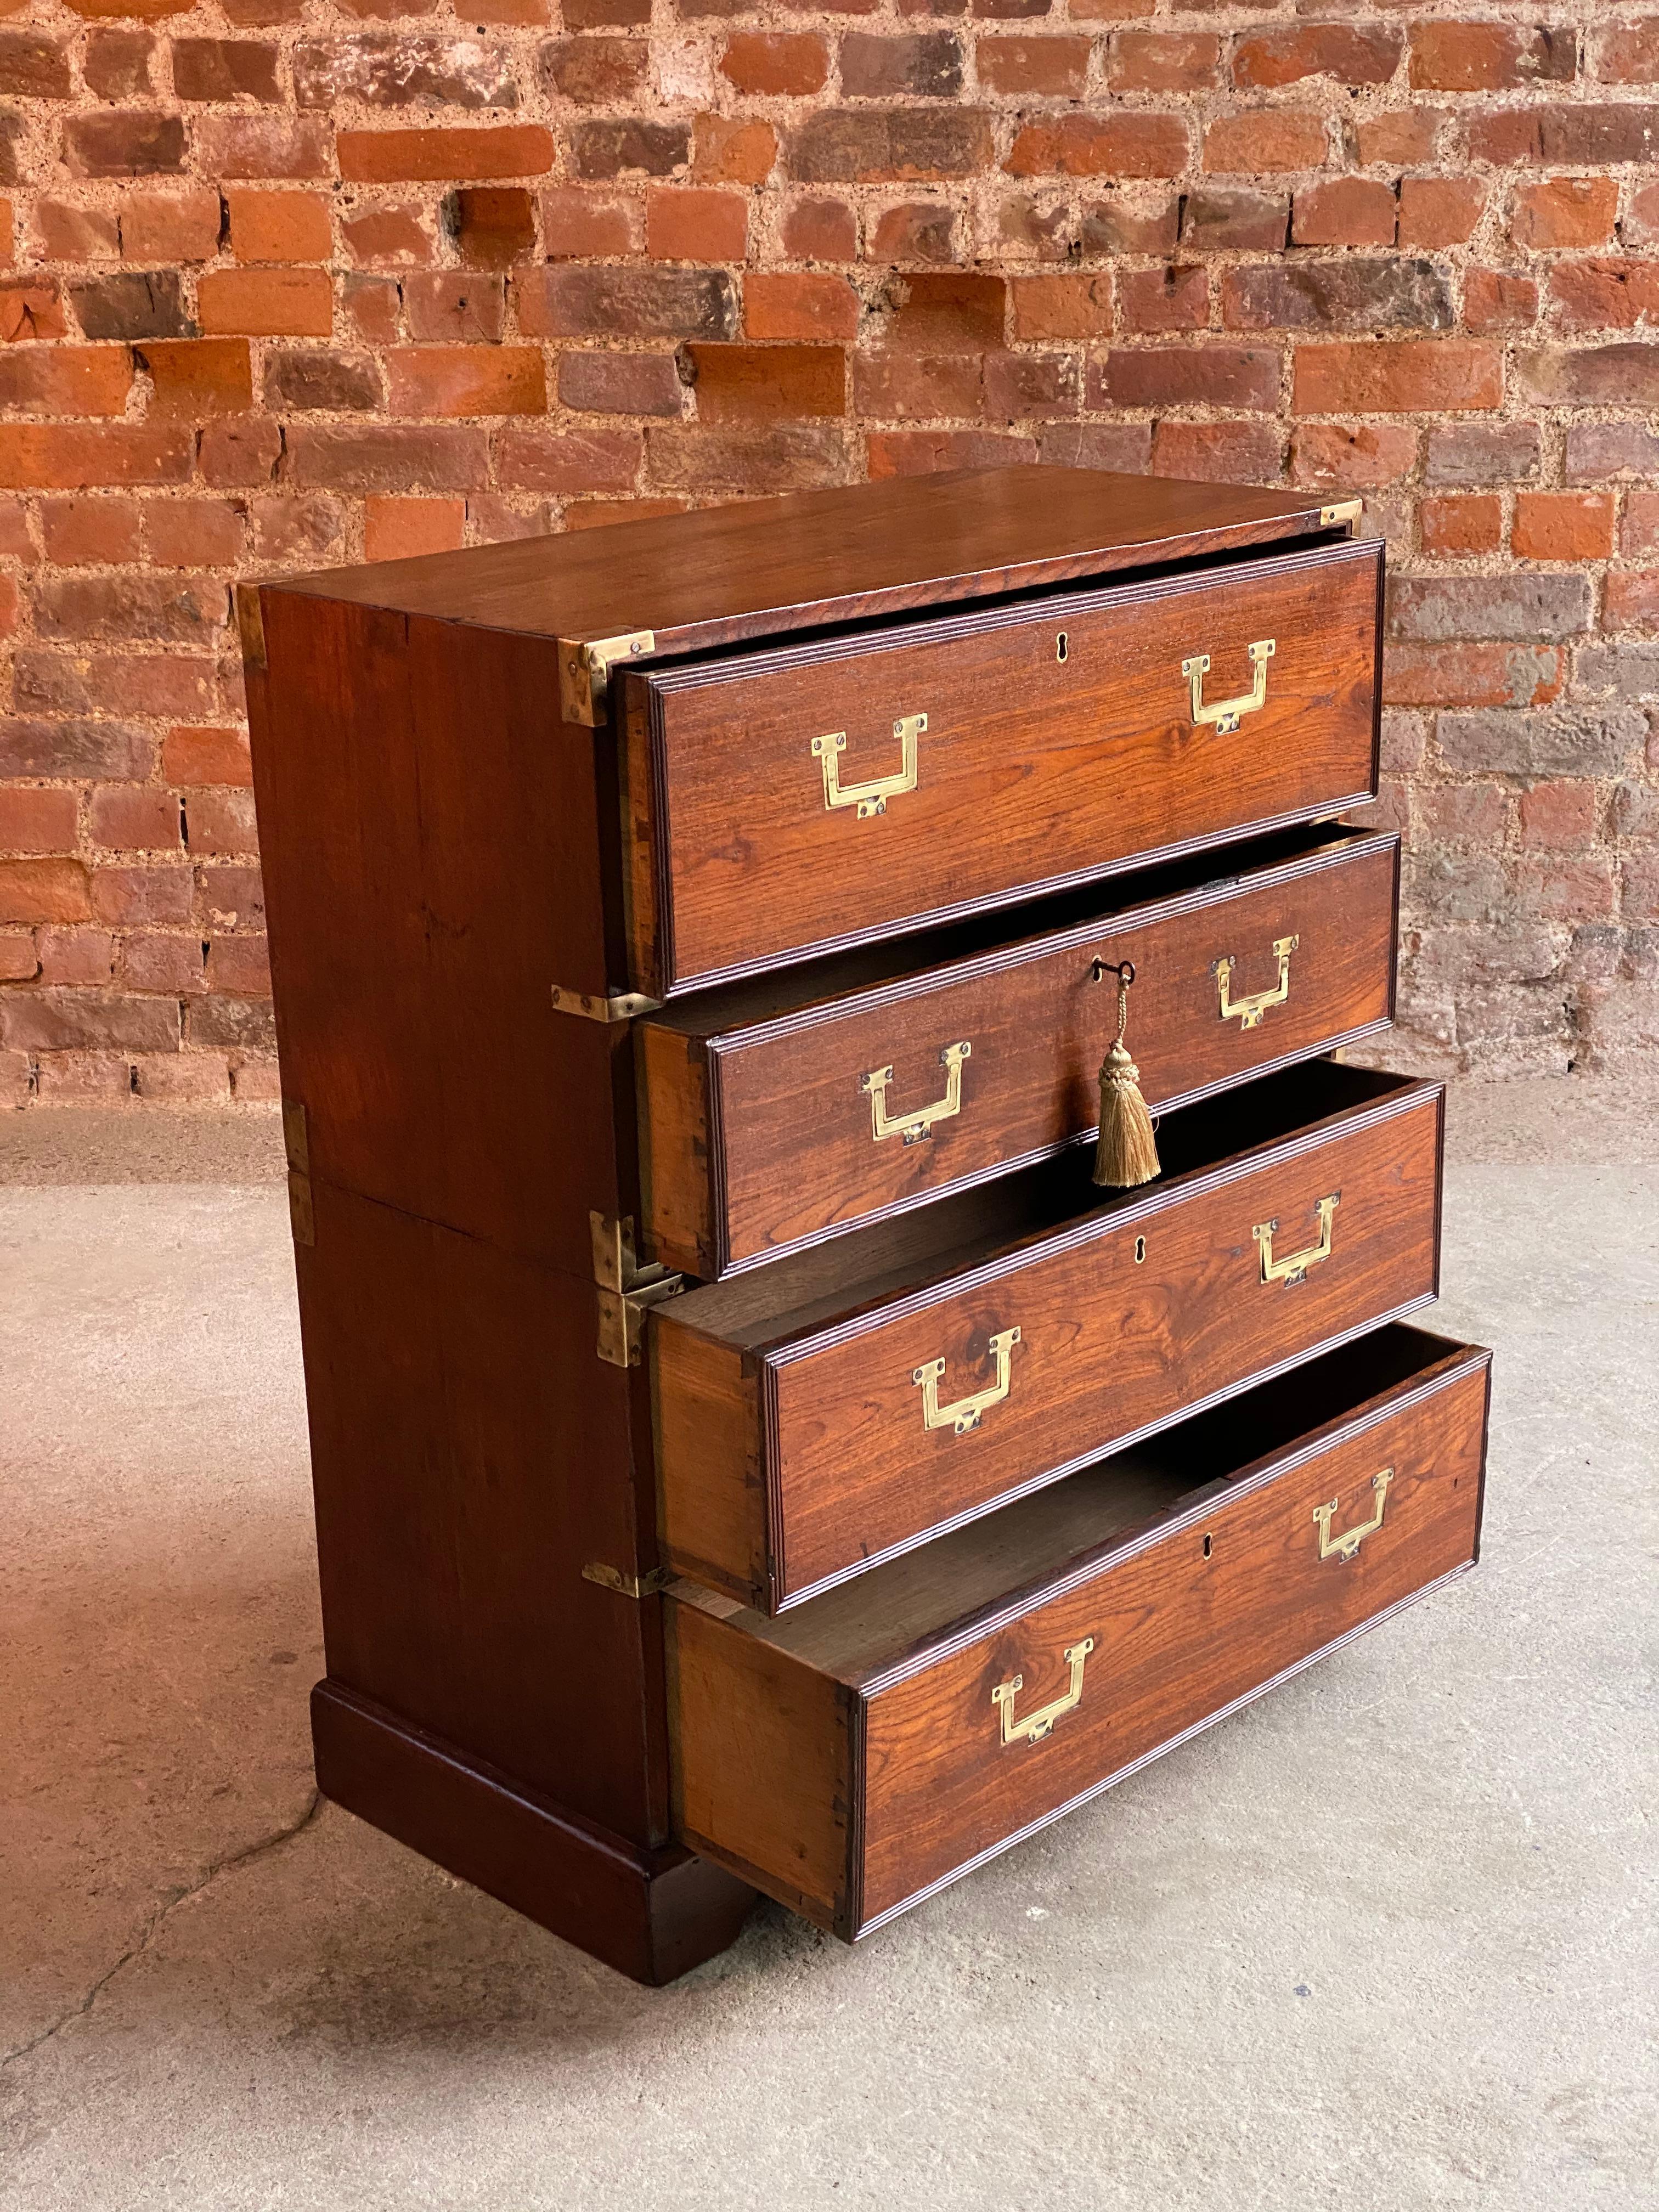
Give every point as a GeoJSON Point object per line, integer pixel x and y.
{"type": "Point", "coordinates": [1033, 771]}
{"type": "Point", "coordinates": [759, 1139]}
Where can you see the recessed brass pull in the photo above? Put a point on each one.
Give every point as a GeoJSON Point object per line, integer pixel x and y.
{"type": "Point", "coordinates": [1344, 1546]}
{"type": "Point", "coordinates": [1227, 713]}
{"type": "Point", "coordinates": [869, 798]}
{"type": "Point", "coordinates": [1293, 1268]}
{"type": "Point", "coordinates": [1248, 1012]}
{"type": "Point", "coordinates": [1036, 1725]}
{"type": "Point", "coordinates": [912, 1127]}
{"type": "Point", "coordinates": [964, 1413]}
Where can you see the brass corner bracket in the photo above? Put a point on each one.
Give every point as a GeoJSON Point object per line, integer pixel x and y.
{"type": "Point", "coordinates": [296, 1143]}
{"type": "Point", "coordinates": [585, 666]}
{"type": "Point", "coordinates": [616, 1006]}
{"type": "Point", "coordinates": [1346, 510]}
{"type": "Point", "coordinates": [627, 1290]}
{"type": "Point", "coordinates": [651, 1584]}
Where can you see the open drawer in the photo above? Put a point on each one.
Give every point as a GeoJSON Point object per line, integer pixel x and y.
{"type": "Point", "coordinates": [835, 1409]}
{"type": "Point", "coordinates": [858, 1754]}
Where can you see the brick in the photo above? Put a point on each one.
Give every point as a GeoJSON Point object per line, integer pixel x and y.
{"type": "Point", "coordinates": [19, 964]}
{"type": "Point", "coordinates": [1572, 741]}
{"type": "Point", "coordinates": [1023, 387]}
{"type": "Point", "coordinates": [239, 146]}
{"type": "Point", "coordinates": [124, 143]}
{"type": "Point", "coordinates": [1590, 376]}
{"type": "Point", "coordinates": [1162, 299]}
{"type": "Point", "coordinates": [41, 891]}
{"type": "Point", "coordinates": [1346, 211]}
{"type": "Point", "coordinates": [234, 1024]}
{"type": "Point", "coordinates": [135, 819]}
{"type": "Point", "coordinates": [33, 66]}
{"type": "Point", "coordinates": [209, 756]}
{"type": "Point", "coordinates": [1560, 814]}
{"type": "Point", "coordinates": [1472, 522]}
{"type": "Point", "coordinates": [687, 223]}
{"type": "Point", "coordinates": [959, 312]}
{"type": "Point", "coordinates": [1188, 376]}
{"type": "Point", "coordinates": [1014, 66]}
{"type": "Point", "coordinates": [922, 452]}
{"type": "Point", "coordinates": [1576, 137]}
{"type": "Point", "coordinates": [494, 226]}
{"type": "Point", "coordinates": [33, 821]}
{"type": "Point", "coordinates": [732, 150]}
{"type": "Point", "coordinates": [83, 682]}
{"type": "Point", "coordinates": [1350, 54]}
{"type": "Point", "coordinates": [224, 69]}
{"type": "Point", "coordinates": [1564, 211]}
{"type": "Point", "coordinates": [61, 1021]}
{"type": "Point", "coordinates": [196, 533]}
{"type": "Point", "coordinates": [239, 966]}
{"type": "Point", "coordinates": [117, 65]}
{"type": "Point", "coordinates": [781, 457]}
{"type": "Point", "coordinates": [82, 956]}
{"type": "Point", "coordinates": [1641, 531]}
{"type": "Point", "coordinates": [398, 69]}
{"type": "Point", "coordinates": [1530, 608]}
{"type": "Point", "coordinates": [464, 155]}
{"type": "Point", "coordinates": [799, 306]}
{"type": "Point", "coordinates": [1463, 675]}
{"type": "Point", "coordinates": [1119, 144]}
{"type": "Point", "coordinates": [369, 307]}
{"type": "Point", "coordinates": [917, 231]}
{"type": "Point", "coordinates": [1163, 61]}
{"type": "Point", "coordinates": [163, 226]}
{"type": "Point", "coordinates": [603, 15]}
{"type": "Point", "coordinates": [1352, 455]}
{"type": "Point", "coordinates": [452, 305]}
{"type": "Point", "coordinates": [66, 380]}
{"type": "Point", "coordinates": [737, 384]}
{"type": "Point", "coordinates": [229, 897]}
{"type": "Point", "coordinates": [1440, 211]}
{"type": "Point", "coordinates": [168, 964]}
{"type": "Point", "coordinates": [1399, 137]}
{"type": "Point", "coordinates": [1266, 139]}
{"type": "Point", "coordinates": [1352, 294]}
{"type": "Point", "coordinates": [297, 532]}
{"type": "Point", "coordinates": [30, 312]}
{"type": "Point", "coordinates": [1218, 453]}
{"type": "Point", "coordinates": [627, 303]}
{"type": "Point", "coordinates": [1497, 300]}
{"type": "Point", "coordinates": [1072, 305]}
{"type": "Point", "coordinates": [1032, 227]}
{"type": "Point", "coordinates": [389, 236]}
{"type": "Point", "coordinates": [67, 456]}
{"type": "Point", "coordinates": [1604, 294]}
{"type": "Point", "coordinates": [577, 225]}
{"type": "Point", "coordinates": [568, 462]}
{"type": "Point", "coordinates": [1631, 669]}
{"type": "Point", "coordinates": [89, 532]}
{"type": "Point", "coordinates": [908, 387]}
{"type": "Point", "coordinates": [174, 610]}
{"type": "Point", "coordinates": [591, 72]}
{"type": "Point", "coordinates": [467, 381]}
{"type": "Point", "coordinates": [1124, 447]}
{"type": "Point", "coordinates": [386, 457]}
{"type": "Point", "coordinates": [1489, 57]}
{"type": "Point", "coordinates": [1597, 451]}
{"type": "Point", "coordinates": [279, 226]}
{"type": "Point", "coordinates": [873, 146]}
{"type": "Point", "coordinates": [1398, 376]}
{"type": "Point", "coordinates": [130, 304]}
{"type": "Point", "coordinates": [68, 233]}
{"type": "Point", "coordinates": [196, 378]}
{"type": "Point", "coordinates": [309, 380]}
{"type": "Point", "coordinates": [396, 529]}
{"type": "Point", "coordinates": [776, 63]}
{"type": "Point", "coordinates": [1236, 221]}
{"type": "Point", "coordinates": [817, 229]}
{"type": "Point", "coordinates": [620, 384]}
{"type": "Point", "coordinates": [634, 146]}
{"type": "Point", "coordinates": [1482, 454]}
{"type": "Point", "coordinates": [1626, 53]}
{"type": "Point", "coordinates": [926, 65]}
{"type": "Point", "coordinates": [289, 303]}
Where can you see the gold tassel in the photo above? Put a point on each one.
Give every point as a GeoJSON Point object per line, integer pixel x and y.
{"type": "Point", "coordinates": [1126, 1153]}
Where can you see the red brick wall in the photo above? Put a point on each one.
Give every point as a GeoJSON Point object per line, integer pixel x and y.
{"type": "Point", "coordinates": [289, 284]}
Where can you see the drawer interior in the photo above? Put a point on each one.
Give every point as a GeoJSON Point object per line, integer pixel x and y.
{"type": "Point", "coordinates": [954, 1234]}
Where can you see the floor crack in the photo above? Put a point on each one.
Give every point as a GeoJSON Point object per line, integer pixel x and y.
{"type": "Point", "coordinates": [153, 1925]}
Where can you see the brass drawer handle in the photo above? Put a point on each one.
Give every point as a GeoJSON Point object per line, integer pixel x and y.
{"type": "Point", "coordinates": [964, 1413]}
{"type": "Point", "coordinates": [1036, 1725]}
{"type": "Point", "coordinates": [912, 1127]}
{"type": "Point", "coordinates": [869, 798]}
{"type": "Point", "coordinates": [1227, 713]}
{"type": "Point", "coordinates": [1344, 1546]}
{"type": "Point", "coordinates": [1249, 1012]}
{"type": "Point", "coordinates": [1294, 1266]}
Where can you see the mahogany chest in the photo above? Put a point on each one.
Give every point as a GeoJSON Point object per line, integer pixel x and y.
{"type": "Point", "coordinates": [751, 1452]}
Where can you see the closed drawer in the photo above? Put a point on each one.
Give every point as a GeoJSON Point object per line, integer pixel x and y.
{"type": "Point", "coordinates": [859, 1753]}
{"type": "Point", "coordinates": [780, 803]}
{"type": "Point", "coordinates": [837, 1407]}
{"type": "Point", "coordinates": [773, 1118]}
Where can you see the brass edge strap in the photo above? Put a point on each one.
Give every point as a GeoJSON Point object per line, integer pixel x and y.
{"type": "Point", "coordinates": [585, 664]}
{"type": "Point", "coordinates": [614, 1007]}
{"type": "Point", "coordinates": [629, 1585]}
{"type": "Point", "coordinates": [1344, 510]}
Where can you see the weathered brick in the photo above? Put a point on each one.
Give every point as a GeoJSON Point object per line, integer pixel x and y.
{"type": "Point", "coordinates": [195, 378]}
{"type": "Point", "coordinates": [65, 380]}
{"type": "Point", "coordinates": [926, 65]}
{"type": "Point", "coordinates": [1470, 523]}
{"type": "Point", "coordinates": [920, 452]}
{"type": "Point", "coordinates": [732, 150]}
{"type": "Point", "coordinates": [1027, 387]}
{"type": "Point", "coordinates": [133, 818]}
{"type": "Point", "coordinates": [494, 226]}
{"type": "Point", "coordinates": [386, 457]}
{"type": "Point", "coordinates": [1598, 451]}
{"type": "Point", "coordinates": [467, 381]}
{"type": "Point", "coordinates": [1398, 376]}
{"type": "Point", "coordinates": [1236, 221]}
{"type": "Point", "coordinates": [1564, 211]}
{"type": "Point", "coordinates": [461, 154]}
{"type": "Point", "coordinates": [1489, 57]}
{"type": "Point", "coordinates": [627, 303]}
{"type": "Point", "coordinates": [686, 222]}
{"type": "Point", "coordinates": [1575, 136]}
{"type": "Point", "coordinates": [620, 384]}
{"type": "Point", "coordinates": [161, 226]}
{"type": "Point", "coordinates": [207, 756]}
{"type": "Point", "coordinates": [68, 232]}
{"type": "Point", "coordinates": [1499, 300]}
{"type": "Point", "coordinates": [591, 72]}
{"type": "Point", "coordinates": [33, 66]}
{"type": "Point", "coordinates": [66, 1021]}
{"type": "Point", "coordinates": [1164, 61]}
{"type": "Point", "coordinates": [873, 146]}
{"type": "Point", "coordinates": [1353, 454]}
{"type": "Point", "coordinates": [39, 890]}
{"type": "Point", "coordinates": [1563, 525]}
{"type": "Point", "coordinates": [35, 821]}
{"type": "Point", "coordinates": [1530, 608]}
{"type": "Point", "coordinates": [81, 532]}
{"type": "Point", "coordinates": [787, 64]}
{"type": "Point", "coordinates": [1120, 144]}
{"type": "Point", "coordinates": [303, 379]}
{"type": "Point", "coordinates": [916, 231]}
{"type": "Point", "coordinates": [577, 224]}
{"type": "Point", "coordinates": [117, 65]}
{"type": "Point", "coordinates": [72, 956]}
{"type": "Point", "coordinates": [1265, 139]}
{"type": "Point", "coordinates": [31, 312]}
{"type": "Point", "coordinates": [1077, 305]}
{"type": "Point", "coordinates": [235, 146]}
{"type": "Point", "coordinates": [124, 143]}
{"type": "Point", "coordinates": [224, 69]}
{"type": "Point", "coordinates": [279, 226]}
{"type": "Point", "coordinates": [819, 229]}
{"type": "Point", "coordinates": [1015, 66]}
{"type": "Point", "coordinates": [64, 455]}
{"type": "Point", "coordinates": [1627, 52]}
{"type": "Point", "coordinates": [1351, 53]}
{"type": "Point", "coordinates": [1439, 211]}
{"type": "Point", "coordinates": [617, 149]}
{"type": "Point", "coordinates": [460, 306]}
{"type": "Point", "coordinates": [130, 304]}
{"type": "Point", "coordinates": [1218, 453]}
{"type": "Point", "coordinates": [1346, 211]}
{"type": "Point", "coordinates": [1629, 670]}
{"type": "Point", "coordinates": [1601, 295]}
{"type": "Point", "coordinates": [1483, 452]}
{"type": "Point", "coordinates": [764, 383]}
{"type": "Point", "coordinates": [936, 312]}
{"type": "Point", "coordinates": [287, 303]}
{"type": "Point", "coordinates": [1575, 741]}
{"type": "Point", "coordinates": [1465, 675]}
{"type": "Point", "coordinates": [1587, 376]}
{"type": "Point", "coordinates": [167, 962]}
{"type": "Point", "coordinates": [1349, 294]}
{"type": "Point", "coordinates": [906, 388]}
{"type": "Point", "coordinates": [780, 457]}
{"type": "Point", "coordinates": [1162, 299]}
{"type": "Point", "coordinates": [1187, 376]}
{"type": "Point", "coordinates": [192, 533]}
{"type": "Point", "coordinates": [380, 237]}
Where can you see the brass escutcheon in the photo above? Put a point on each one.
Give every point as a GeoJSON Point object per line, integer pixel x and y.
{"type": "Point", "coordinates": [1294, 1266]}
{"type": "Point", "coordinates": [869, 798]}
{"type": "Point", "coordinates": [1249, 1012]}
{"type": "Point", "coordinates": [1036, 1725]}
{"type": "Point", "coordinates": [1344, 1546]}
{"type": "Point", "coordinates": [912, 1127]}
{"type": "Point", "coordinates": [964, 1415]}
{"type": "Point", "coordinates": [1227, 713]}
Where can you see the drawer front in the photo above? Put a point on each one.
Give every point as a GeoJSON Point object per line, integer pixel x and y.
{"type": "Point", "coordinates": [1197, 1622]}
{"type": "Point", "coordinates": [820, 1120]}
{"type": "Point", "coordinates": [781, 803]}
{"type": "Point", "coordinates": [1139, 1315]}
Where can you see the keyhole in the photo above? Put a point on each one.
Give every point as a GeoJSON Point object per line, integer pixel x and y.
{"type": "Point", "coordinates": [1140, 1250]}
{"type": "Point", "coordinates": [1061, 646]}
{"type": "Point", "coordinates": [1208, 1541]}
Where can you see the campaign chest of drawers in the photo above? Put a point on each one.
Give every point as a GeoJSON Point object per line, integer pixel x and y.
{"type": "Point", "coordinates": [750, 1451]}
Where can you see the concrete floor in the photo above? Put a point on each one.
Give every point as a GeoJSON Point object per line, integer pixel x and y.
{"type": "Point", "coordinates": [1387, 1940]}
